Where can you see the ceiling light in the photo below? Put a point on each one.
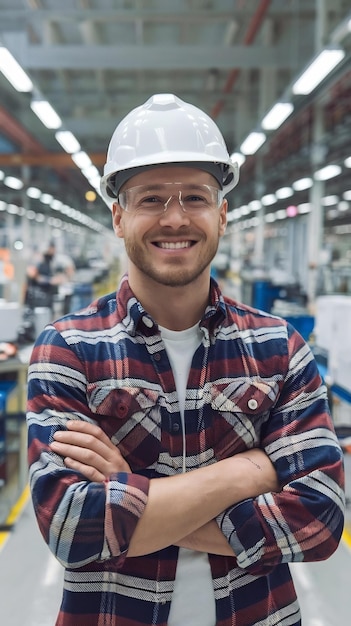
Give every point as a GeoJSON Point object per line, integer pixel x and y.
{"type": "Point", "coordinates": [268, 199]}
{"type": "Point", "coordinates": [277, 115]}
{"type": "Point", "coordinates": [68, 141]}
{"type": "Point", "coordinates": [270, 217]}
{"type": "Point", "coordinates": [318, 69]}
{"type": "Point", "coordinates": [330, 200]}
{"type": "Point", "coordinates": [238, 158]}
{"type": "Point", "coordinates": [343, 205]}
{"type": "Point", "coordinates": [13, 182]}
{"type": "Point", "coordinates": [33, 192]}
{"type": "Point", "coordinates": [302, 183]}
{"type": "Point", "coordinates": [254, 205]}
{"type": "Point", "coordinates": [47, 115]}
{"type": "Point", "coordinates": [291, 210]}
{"type": "Point", "coordinates": [13, 71]}
{"type": "Point", "coordinates": [281, 214]}
{"type": "Point", "coordinates": [81, 159]}
{"type": "Point", "coordinates": [347, 195]}
{"type": "Point", "coordinates": [46, 198]}
{"type": "Point", "coordinates": [284, 192]}
{"type": "Point", "coordinates": [2, 175]}
{"type": "Point", "coordinates": [252, 142]}
{"type": "Point", "coordinates": [305, 207]}
{"type": "Point", "coordinates": [347, 162]}
{"type": "Point", "coordinates": [327, 172]}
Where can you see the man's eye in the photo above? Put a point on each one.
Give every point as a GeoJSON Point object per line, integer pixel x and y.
{"type": "Point", "coordinates": [150, 200]}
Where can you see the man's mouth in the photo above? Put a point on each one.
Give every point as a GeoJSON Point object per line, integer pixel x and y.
{"type": "Point", "coordinates": [173, 245]}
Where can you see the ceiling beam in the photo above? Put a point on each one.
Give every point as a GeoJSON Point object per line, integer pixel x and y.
{"type": "Point", "coordinates": [56, 160]}
{"type": "Point", "coordinates": [134, 57]}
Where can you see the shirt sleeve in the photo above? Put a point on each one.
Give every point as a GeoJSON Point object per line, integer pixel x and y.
{"type": "Point", "coordinates": [81, 521]}
{"type": "Point", "coordinates": [304, 521]}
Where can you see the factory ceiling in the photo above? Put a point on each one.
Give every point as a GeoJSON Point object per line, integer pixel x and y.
{"type": "Point", "coordinates": [94, 60]}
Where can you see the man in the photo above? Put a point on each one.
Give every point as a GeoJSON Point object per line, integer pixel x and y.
{"type": "Point", "coordinates": [180, 445]}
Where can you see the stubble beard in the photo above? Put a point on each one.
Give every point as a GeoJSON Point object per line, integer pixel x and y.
{"type": "Point", "coordinates": [174, 274]}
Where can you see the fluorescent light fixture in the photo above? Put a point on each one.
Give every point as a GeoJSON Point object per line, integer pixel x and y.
{"type": "Point", "coordinates": [3, 205]}
{"type": "Point", "coordinates": [81, 159]}
{"type": "Point", "coordinates": [33, 192]}
{"type": "Point", "coordinates": [305, 207]}
{"type": "Point", "coordinates": [347, 162]}
{"type": "Point", "coordinates": [284, 192]}
{"type": "Point", "coordinates": [47, 115]}
{"type": "Point", "coordinates": [2, 175]}
{"type": "Point", "coordinates": [343, 205]}
{"type": "Point", "coordinates": [13, 182]}
{"type": "Point", "coordinates": [56, 204]}
{"type": "Point", "coordinates": [327, 172]}
{"type": "Point", "coordinates": [319, 68]}
{"type": "Point", "coordinates": [252, 142]}
{"type": "Point", "coordinates": [255, 205]}
{"type": "Point", "coordinates": [46, 198]}
{"type": "Point", "coordinates": [238, 158]}
{"type": "Point", "coordinates": [277, 115]}
{"type": "Point", "coordinates": [330, 200]}
{"type": "Point", "coordinates": [302, 183]}
{"type": "Point", "coordinates": [68, 141]}
{"type": "Point", "coordinates": [347, 195]}
{"type": "Point", "coordinates": [13, 71]}
{"type": "Point", "coordinates": [270, 218]}
{"type": "Point", "coordinates": [268, 199]}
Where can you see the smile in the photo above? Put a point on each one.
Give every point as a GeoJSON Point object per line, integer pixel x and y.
{"type": "Point", "coordinates": [174, 245]}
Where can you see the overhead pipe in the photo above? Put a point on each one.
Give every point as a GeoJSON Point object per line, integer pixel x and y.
{"type": "Point", "coordinates": [253, 28]}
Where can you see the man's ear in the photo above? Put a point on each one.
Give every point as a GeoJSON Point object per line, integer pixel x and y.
{"type": "Point", "coordinates": [117, 213]}
{"type": "Point", "coordinates": [223, 217]}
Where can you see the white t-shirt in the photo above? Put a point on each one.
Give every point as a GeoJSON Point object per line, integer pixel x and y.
{"type": "Point", "coordinates": [193, 601]}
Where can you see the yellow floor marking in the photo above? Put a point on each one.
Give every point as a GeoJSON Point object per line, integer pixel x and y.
{"type": "Point", "coordinates": [14, 514]}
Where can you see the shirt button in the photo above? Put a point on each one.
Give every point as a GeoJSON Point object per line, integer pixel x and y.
{"type": "Point", "coordinates": [149, 323]}
{"type": "Point", "coordinates": [157, 356]}
{"type": "Point", "coordinates": [252, 404]}
{"type": "Point", "coordinates": [175, 427]}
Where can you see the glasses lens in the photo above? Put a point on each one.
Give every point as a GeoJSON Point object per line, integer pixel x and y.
{"type": "Point", "coordinates": [156, 199]}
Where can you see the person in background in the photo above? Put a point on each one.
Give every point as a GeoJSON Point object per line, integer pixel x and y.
{"type": "Point", "coordinates": [181, 448]}
{"type": "Point", "coordinates": [43, 280]}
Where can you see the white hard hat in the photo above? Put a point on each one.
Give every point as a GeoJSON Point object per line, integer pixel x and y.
{"type": "Point", "coordinates": [166, 130]}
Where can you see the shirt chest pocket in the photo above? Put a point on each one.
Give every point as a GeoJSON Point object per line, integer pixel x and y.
{"type": "Point", "coordinates": [130, 416]}
{"type": "Point", "coordinates": [240, 410]}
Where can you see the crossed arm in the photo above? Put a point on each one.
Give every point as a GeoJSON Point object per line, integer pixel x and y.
{"type": "Point", "coordinates": [180, 509]}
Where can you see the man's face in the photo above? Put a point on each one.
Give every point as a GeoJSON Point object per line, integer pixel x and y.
{"type": "Point", "coordinates": [174, 247]}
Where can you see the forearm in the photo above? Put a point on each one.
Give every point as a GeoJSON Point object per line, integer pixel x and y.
{"type": "Point", "coordinates": [179, 505]}
{"type": "Point", "coordinates": [209, 538]}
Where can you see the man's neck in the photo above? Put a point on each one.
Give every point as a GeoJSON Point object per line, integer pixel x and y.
{"type": "Point", "coordinates": [175, 308]}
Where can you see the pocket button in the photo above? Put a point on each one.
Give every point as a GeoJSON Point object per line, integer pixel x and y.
{"type": "Point", "coordinates": [252, 404]}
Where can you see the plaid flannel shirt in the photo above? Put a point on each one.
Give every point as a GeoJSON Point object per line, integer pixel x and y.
{"type": "Point", "coordinates": [253, 383]}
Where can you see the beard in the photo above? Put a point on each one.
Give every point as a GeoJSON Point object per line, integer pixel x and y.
{"type": "Point", "coordinates": [173, 273]}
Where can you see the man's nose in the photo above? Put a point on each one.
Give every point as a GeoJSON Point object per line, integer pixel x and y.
{"type": "Point", "coordinates": [178, 197]}
{"type": "Point", "coordinates": [174, 213]}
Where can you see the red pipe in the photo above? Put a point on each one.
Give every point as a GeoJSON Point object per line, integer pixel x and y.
{"type": "Point", "coordinates": [17, 133]}
{"type": "Point", "coordinates": [249, 38]}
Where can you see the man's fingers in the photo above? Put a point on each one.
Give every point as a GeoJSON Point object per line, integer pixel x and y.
{"type": "Point", "coordinates": [89, 472]}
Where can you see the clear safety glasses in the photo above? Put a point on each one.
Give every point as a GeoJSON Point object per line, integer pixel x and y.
{"type": "Point", "coordinates": [155, 199]}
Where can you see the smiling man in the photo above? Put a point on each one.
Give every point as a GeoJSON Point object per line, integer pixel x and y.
{"type": "Point", "coordinates": [181, 448]}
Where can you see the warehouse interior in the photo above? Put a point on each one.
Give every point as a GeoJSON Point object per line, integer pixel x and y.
{"type": "Point", "coordinates": [276, 78]}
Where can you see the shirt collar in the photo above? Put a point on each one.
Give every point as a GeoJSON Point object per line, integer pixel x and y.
{"type": "Point", "coordinates": [134, 317]}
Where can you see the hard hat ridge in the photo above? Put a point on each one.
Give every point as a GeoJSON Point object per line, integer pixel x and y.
{"type": "Point", "coordinates": [166, 130]}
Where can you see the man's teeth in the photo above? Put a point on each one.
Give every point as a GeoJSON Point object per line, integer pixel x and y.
{"type": "Point", "coordinates": [175, 245]}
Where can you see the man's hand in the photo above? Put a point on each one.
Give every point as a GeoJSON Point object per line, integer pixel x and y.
{"type": "Point", "coordinates": [87, 449]}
